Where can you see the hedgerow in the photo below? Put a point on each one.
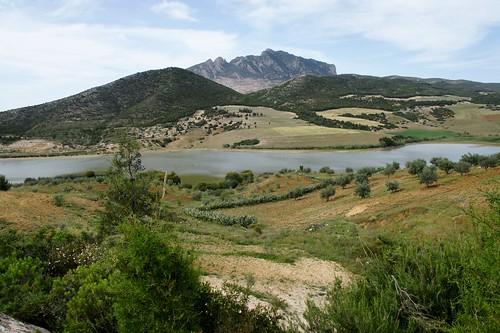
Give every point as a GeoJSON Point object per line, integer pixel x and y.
{"type": "Point", "coordinates": [211, 216]}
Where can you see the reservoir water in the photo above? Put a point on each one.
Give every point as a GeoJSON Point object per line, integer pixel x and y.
{"type": "Point", "coordinates": [219, 162]}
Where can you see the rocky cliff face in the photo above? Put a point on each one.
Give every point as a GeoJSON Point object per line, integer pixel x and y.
{"type": "Point", "coordinates": [251, 73]}
{"type": "Point", "coordinates": [10, 325]}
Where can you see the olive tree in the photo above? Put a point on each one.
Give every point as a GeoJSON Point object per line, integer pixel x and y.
{"type": "Point", "coordinates": [363, 190]}
{"type": "Point", "coordinates": [446, 165]}
{"type": "Point", "coordinates": [327, 192]}
{"type": "Point", "coordinates": [463, 167]}
{"type": "Point", "coordinates": [392, 186]}
{"type": "Point", "coordinates": [428, 176]}
{"type": "Point", "coordinates": [415, 167]}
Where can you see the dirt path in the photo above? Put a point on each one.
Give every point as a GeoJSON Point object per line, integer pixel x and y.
{"type": "Point", "coordinates": [290, 284]}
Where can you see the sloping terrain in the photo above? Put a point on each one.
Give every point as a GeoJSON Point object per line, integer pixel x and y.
{"type": "Point", "coordinates": [143, 99]}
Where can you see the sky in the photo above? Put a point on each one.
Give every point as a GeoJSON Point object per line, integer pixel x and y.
{"type": "Point", "coordinates": [51, 49]}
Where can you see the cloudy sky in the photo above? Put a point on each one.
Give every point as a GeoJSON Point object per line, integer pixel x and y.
{"type": "Point", "coordinates": [53, 48]}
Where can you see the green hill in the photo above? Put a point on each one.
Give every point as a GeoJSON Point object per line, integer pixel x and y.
{"type": "Point", "coordinates": [149, 98]}
{"type": "Point", "coordinates": [309, 93]}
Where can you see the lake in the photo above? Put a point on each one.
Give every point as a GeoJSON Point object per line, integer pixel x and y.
{"type": "Point", "coordinates": [219, 162]}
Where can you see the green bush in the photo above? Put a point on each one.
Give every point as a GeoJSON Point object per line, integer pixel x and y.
{"type": "Point", "coordinates": [462, 167]}
{"type": "Point", "coordinates": [428, 176]}
{"type": "Point", "coordinates": [58, 200]}
{"type": "Point", "coordinates": [393, 186]}
{"type": "Point", "coordinates": [327, 192]}
{"type": "Point", "coordinates": [24, 289]}
{"type": "Point", "coordinates": [212, 216]}
{"type": "Point", "coordinates": [90, 174]}
{"type": "Point", "coordinates": [363, 190]}
{"type": "Point", "coordinates": [423, 287]}
{"type": "Point", "coordinates": [327, 170]}
{"type": "Point", "coordinates": [4, 184]}
{"type": "Point", "coordinates": [415, 167]}
{"type": "Point", "coordinates": [344, 179]}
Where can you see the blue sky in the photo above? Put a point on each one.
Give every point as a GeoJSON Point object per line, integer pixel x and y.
{"type": "Point", "coordinates": [54, 48]}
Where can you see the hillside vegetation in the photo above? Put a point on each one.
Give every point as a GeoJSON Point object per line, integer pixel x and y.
{"type": "Point", "coordinates": [158, 97]}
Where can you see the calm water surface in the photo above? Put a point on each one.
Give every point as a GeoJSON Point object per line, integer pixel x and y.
{"type": "Point", "coordinates": [219, 162]}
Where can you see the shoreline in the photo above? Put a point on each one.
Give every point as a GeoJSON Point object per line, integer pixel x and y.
{"type": "Point", "coordinates": [251, 149]}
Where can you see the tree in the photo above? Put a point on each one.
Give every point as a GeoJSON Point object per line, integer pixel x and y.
{"type": "Point", "coordinates": [327, 170]}
{"type": "Point", "coordinates": [446, 165]}
{"type": "Point", "coordinates": [473, 159]}
{"type": "Point", "coordinates": [415, 167]}
{"type": "Point", "coordinates": [389, 170]}
{"type": "Point", "coordinates": [128, 160]}
{"type": "Point", "coordinates": [130, 191]}
{"type": "Point", "coordinates": [363, 190]}
{"type": "Point", "coordinates": [344, 179]}
{"type": "Point", "coordinates": [349, 170]}
{"type": "Point", "coordinates": [462, 167]}
{"type": "Point", "coordinates": [4, 184]}
{"type": "Point", "coordinates": [327, 192]}
{"type": "Point", "coordinates": [233, 179]}
{"type": "Point", "coordinates": [392, 186]}
{"type": "Point", "coordinates": [488, 162]}
{"type": "Point", "coordinates": [173, 178]}
{"type": "Point", "coordinates": [428, 176]}
{"type": "Point", "coordinates": [361, 178]}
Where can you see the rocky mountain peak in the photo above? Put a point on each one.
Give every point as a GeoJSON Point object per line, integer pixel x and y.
{"type": "Point", "coordinates": [252, 72]}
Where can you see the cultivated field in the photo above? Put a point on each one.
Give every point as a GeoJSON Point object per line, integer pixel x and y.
{"type": "Point", "coordinates": [278, 129]}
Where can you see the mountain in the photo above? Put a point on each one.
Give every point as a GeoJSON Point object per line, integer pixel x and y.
{"type": "Point", "coordinates": [315, 93]}
{"type": "Point", "coordinates": [144, 99]}
{"type": "Point", "coordinates": [252, 73]}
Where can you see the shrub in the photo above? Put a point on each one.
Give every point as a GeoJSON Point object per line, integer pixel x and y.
{"type": "Point", "coordinates": [422, 287]}
{"type": "Point", "coordinates": [361, 178]}
{"type": "Point", "coordinates": [326, 170]}
{"type": "Point", "coordinates": [473, 159]}
{"type": "Point", "coordinates": [392, 186]}
{"type": "Point", "coordinates": [173, 178]}
{"type": "Point", "coordinates": [462, 167]}
{"type": "Point", "coordinates": [415, 167]}
{"type": "Point", "coordinates": [344, 179]}
{"type": "Point", "coordinates": [4, 184]}
{"type": "Point", "coordinates": [23, 288]}
{"type": "Point", "coordinates": [212, 216]}
{"type": "Point", "coordinates": [428, 176]}
{"type": "Point", "coordinates": [488, 162]}
{"type": "Point", "coordinates": [58, 200]}
{"type": "Point", "coordinates": [363, 190]}
{"type": "Point", "coordinates": [90, 174]}
{"type": "Point", "coordinates": [327, 192]}
{"type": "Point", "coordinates": [446, 165]}
{"type": "Point", "coordinates": [389, 170]}
{"type": "Point", "coordinates": [349, 170]}
{"type": "Point", "coordinates": [233, 179]}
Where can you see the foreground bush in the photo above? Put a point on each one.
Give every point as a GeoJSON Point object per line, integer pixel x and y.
{"type": "Point", "coordinates": [4, 184]}
{"type": "Point", "coordinates": [414, 287]}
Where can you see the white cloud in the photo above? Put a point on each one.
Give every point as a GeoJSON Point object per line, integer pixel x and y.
{"type": "Point", "coordinates": [41, 61]}
{"type": "Point", "coordinates": [434, 30]}
{"type": "Point", "coordinates": [74, 8]}
{"type": "Point", "coordinates": [174, 9]}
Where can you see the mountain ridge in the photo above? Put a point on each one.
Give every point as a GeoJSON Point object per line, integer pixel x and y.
{"type": "Point", "coordinates": [255, 72]}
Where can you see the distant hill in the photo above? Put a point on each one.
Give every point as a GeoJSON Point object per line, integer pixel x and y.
{"type": "Point", "coordinates": [316, 93]}
{"type": "Point", "coordinates": [252, 73]}
{"type": "Point", "coordinates": [143, 99]}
